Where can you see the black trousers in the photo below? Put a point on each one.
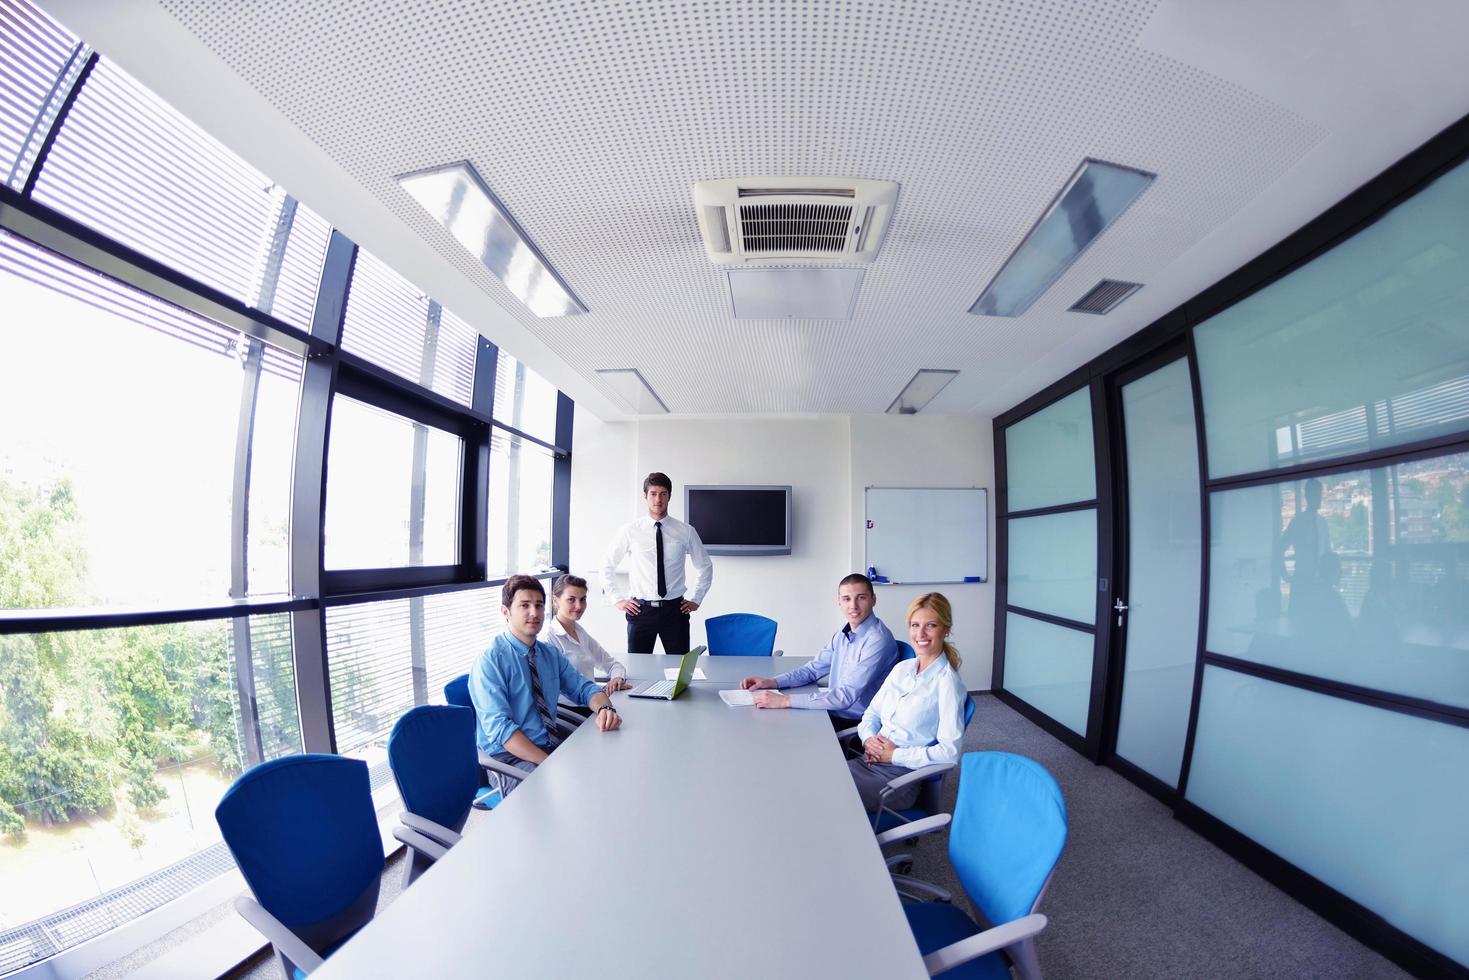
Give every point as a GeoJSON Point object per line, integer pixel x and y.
{"type": "Point", "coordinates": [664, 623]}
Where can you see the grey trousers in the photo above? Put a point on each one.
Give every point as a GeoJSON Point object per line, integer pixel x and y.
{"type": "Point", "coordinates": [506, 784]}
{"type": "Point", "coordinates": [871, 779]}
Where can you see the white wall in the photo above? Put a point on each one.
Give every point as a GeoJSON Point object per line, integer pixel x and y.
{"type": "Point", "coordinates": [828, 461]}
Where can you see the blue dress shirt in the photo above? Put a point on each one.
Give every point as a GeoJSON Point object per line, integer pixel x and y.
{"type": "Point", "coordinates": [857, 659]}
{"type": "Point", "coordinates": [499, 685]}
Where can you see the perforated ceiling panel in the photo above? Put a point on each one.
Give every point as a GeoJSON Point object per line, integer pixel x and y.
{"type": "Point", "coordinates": [591, 121]}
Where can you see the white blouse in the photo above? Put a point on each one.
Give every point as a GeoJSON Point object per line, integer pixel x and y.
{"type": "Point", "coordinates": [585, 654]}
{"type": "Point", "coordinates": [921, 713]}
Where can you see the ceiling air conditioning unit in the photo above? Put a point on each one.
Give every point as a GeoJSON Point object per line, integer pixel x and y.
{"type": "Point", "coordinates": [811, 220]}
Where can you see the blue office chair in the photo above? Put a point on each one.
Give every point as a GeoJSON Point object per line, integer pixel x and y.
{"type": "Point", "coordinates": [740, 635]}
{"type": "Point", "coordinates": [432, 754]}
{"type": "Point", "coordinates": [905, 652]}
{"type": "Point", "coordinates": [1009, 828]}
{"type": "Point", "coordinates": [456, 692]}
{"type": "Point", "coordinates": [303, 831]}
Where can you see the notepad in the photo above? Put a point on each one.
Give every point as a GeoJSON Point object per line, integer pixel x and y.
{"type": "Point", "coordinates": [738, 699]}
{"type": "Point", "coordinates": [671, 674]}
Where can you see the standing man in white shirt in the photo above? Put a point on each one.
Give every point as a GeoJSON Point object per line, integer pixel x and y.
{"type": "Point", "coordinates": [657, 606]}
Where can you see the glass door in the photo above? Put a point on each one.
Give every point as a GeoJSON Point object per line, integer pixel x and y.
{"type": "Point", "coordinates": [1155, 608]}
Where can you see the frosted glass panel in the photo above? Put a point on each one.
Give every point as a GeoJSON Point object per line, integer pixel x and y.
{"type": "Point", "coordinates": [1364, 347]}
{"type": "Point", "coordinates": [1360, 577]}
{"type": "Point", "coordinates": [1050, 667]}
{"type": "Point", "coordinates": [1371, 802]}
{"type": "Point", "coordinates": [1053, 564]}
{"type": "Point", "coordinates": [1164, 557]}
{"type": "Point", "coordinates": [1048, 456]}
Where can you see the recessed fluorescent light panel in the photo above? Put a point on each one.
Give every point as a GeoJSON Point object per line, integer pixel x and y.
{"type": "Point", "coordinates": [636, 393]}
{"type": "Point", "coordinates": [460, 200]}
{"type": "Point", "coordinates": [926, 384]}
{"type": "Point", "coordinates": [803, 294]}
{"type": "Point", "coordinates": [1094, 197]}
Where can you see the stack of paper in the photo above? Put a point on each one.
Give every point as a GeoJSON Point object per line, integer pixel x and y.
{"type": "Point", "coordinates": [738, 699]}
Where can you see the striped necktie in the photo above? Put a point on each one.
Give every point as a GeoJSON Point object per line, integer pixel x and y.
{"type": "Point", "coordinates": [547, 717]}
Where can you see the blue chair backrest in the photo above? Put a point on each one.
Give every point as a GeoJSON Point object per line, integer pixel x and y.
{"type": "Point", "coordinates": [968, 709]}
{"type": "Point", "coordinates": [740, 635]}
{"type": "Point", "coordinates": [1008, 832]}
{"type": "Point", "coordinates": [457, 692]}
{"type": "Point", "coordinates": [905, 652]}
{"type": "Point", "coordinates": [304, 834]}
{"type": "Point", "coordinates": [432, 753]}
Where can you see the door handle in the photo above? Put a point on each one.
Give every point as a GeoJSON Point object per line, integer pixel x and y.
{"type": "Point", "coordinates": [1119, 607]}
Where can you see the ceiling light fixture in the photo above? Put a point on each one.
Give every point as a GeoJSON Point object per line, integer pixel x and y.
{"type": "Point", "coordinates": [459, 199]}
{"type": "Point", "coordinates": [1094, 197]}
{"type": "Point", "coordinates": [634, 390]}
{"type": "Point", "coordinates": [921, 390]}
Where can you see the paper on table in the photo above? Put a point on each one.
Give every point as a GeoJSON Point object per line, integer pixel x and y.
{"type": "Point", "coordinates": [738, 699]}
{"type": "Point", "coordinates": [671, 674]}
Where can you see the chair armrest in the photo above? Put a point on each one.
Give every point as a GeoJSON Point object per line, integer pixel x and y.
{"type": "Point", "coordinates": [777, 653]}
{"type": "Point", "coordinates": [426, 827]}
{"type": "Point", "coordinates": [284, 940]}
{"type": "Point", "coordinates": [916, 776]}
{"type": "Point", "coordinates": [565, 714]}
{"type": "Point", "coordinates": [915, 829]}
{"type": "Point", "coordinates": [424, 845]}
{"type": "Point", "coordinates": [925, 891]}
{"type": "Point", "coordinates": [988, 941]}
{"type": "Point", "coordinates": [493, 764]}
{"type": "Point", "coordinates": [848, 732]}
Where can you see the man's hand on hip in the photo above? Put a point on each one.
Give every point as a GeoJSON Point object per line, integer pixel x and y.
{"type": "Point", "coordinates": [687, 607]}
{"type": "Point", "coordinates": [630, 606]}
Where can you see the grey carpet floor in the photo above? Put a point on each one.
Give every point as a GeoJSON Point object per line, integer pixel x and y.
{"type": "Point", "coordinates": [1136, 893]}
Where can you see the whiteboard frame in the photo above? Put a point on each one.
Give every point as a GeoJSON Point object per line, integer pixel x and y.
{"type": "Point", "coordinates": [985, 518]}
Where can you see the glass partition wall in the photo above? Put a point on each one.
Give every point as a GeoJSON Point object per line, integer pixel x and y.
{"type": "Point", "coordinates": [1234, 561]}
{"type": "Point", "coordinates": [257, 491]}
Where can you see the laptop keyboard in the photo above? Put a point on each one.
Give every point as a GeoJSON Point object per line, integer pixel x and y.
{"type": "Point", "coordinates": [658, 689]}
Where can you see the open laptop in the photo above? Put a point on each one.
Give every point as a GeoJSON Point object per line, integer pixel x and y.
{"type": "Point", "coordinates": [668, 690]}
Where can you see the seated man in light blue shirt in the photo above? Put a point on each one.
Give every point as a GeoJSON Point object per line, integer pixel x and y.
{"type": "Point", "coordinates": [856, 659]}
{"type": "Point", "coordinates": [515, 683]}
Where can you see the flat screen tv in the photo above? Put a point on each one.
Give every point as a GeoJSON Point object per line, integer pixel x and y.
{"type": "Point", "coordinates": [740, 520]}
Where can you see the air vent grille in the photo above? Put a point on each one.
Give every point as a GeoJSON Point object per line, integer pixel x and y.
{"type": "Point", "coordinates": [766, 228]}
{"type": "Point", "coordinates": [1104, 297]}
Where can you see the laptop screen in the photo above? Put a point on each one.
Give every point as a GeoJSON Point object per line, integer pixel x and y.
{"type": "Point", "coordinates": [686, 670]}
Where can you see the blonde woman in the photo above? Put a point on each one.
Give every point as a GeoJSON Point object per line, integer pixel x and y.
{"type": "Point", "coordinates": [562, 630]}
{"type": "Point", "coordinates": [917, 717]}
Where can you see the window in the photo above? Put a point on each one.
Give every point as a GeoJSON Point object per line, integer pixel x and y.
{"type": "Point", "coordinates": [391, 323]}
{"type": "Point", "coordinates": [131, 167]}
{"type": "Point", "coordinates": [129, 450]}
{"type": "Point", "coordinates": [524, 400]}
{"type": "Point", "coordinates": [521, 475]}
{"type": "Point", "coordinates": [1363, 348]}
{"type": "Point", "coordinates": [392, 490]}
{"type": "Point", "coordinates": [35, 51]}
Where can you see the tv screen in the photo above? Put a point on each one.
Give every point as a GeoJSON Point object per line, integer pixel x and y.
{"type": "Point", "coordinates": [741, 520]}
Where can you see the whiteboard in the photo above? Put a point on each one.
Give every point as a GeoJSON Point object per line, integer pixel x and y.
{"type": "Point", "coordinates": [919, 535]}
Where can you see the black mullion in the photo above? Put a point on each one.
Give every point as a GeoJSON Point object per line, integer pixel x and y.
{"type": "Point", "coordinates": [561, 486]}
{"type": "Point", "coordinates": [1002, 558]}
{"type": "Point", "coordinates": [410, 592]}
{"type": "Point", "coordinates": [360, 580]}
{"type": "Point", "coordinates": [366, 382]}
{"type": "Point", "coordinates": [1053, 509]}
{"type": "Point", "coordinates": [71, 619]}
{"type": "Point", "coordinates": [1044, 617]}
{"type": "Point", "coordinates": [1205, 543]}
{"type": "Point", "coordinates": [527, 437]}
{"type": "Point", "coordinates": [476, 514]}
{"type": "Point", "coordinates": [1117, 569]}
{"type": "Point", "coordinates": [1404, 453]}
{"type": "Point", "coordinates": [1103, 587]}
{"type": "Point", "coordinates": [82, 245]}
{"type": "Point", "coordinates": [44, 150]}
{"type": "Point", "coordinates": [1404, 704]}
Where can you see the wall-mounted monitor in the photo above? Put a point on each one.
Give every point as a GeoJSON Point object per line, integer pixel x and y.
{"type": "Point", "coordinates": [740, 520]}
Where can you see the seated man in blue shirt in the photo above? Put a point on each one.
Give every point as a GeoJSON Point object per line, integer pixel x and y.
{"type": "Point", "coordinates": [857, 658]}
{"type": "Point", "coordinates": [514, 685]}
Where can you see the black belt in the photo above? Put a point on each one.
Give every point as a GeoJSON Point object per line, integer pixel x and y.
{"type": "Point", "coordinates": [660, 602]}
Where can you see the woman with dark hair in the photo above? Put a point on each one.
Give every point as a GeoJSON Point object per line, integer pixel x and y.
{"type": "Point", "coordinates": [563, 631]}
{"type": "Point", "coordinates": [917, 717]}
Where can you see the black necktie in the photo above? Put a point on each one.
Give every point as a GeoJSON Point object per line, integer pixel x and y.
{"type": "Point", "coordinates": [548, 719]}
{"type": "Point", "coordinates": [662, 580]}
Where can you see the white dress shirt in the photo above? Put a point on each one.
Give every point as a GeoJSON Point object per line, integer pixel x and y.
{"type": "Point", "coordinates": [921, 713]}
{"type": "Point", "coordinates": [585, 653]}
{"type": "Point", "coordinates": [637, 540]}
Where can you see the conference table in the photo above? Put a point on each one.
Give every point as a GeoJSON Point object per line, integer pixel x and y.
{"type": "Point", "coordinates": [698, 841]}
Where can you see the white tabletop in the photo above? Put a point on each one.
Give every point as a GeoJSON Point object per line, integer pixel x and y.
{"type": "Point", "coordinates": [700, 840]}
